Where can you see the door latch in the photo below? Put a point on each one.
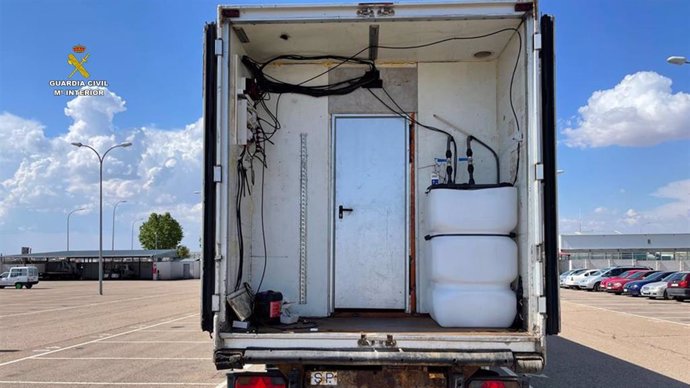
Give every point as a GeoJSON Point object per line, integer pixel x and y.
{"type": "Point", "coordinates": [342, 209]}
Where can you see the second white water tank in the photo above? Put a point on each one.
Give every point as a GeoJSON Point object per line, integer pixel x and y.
{"type": "Point", "coordinates": [465, 260]}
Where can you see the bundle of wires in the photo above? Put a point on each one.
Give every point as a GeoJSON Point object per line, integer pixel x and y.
{"type": "Point", "coordinates": [255, 150]}
{"type": "Point", "coordinates": [269, 84]}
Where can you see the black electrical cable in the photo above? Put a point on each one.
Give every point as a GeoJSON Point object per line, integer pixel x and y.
{"type": "Point", "coordinates": [510, 89]}
{"type": "Point", "coordinates": [267, 83]}
{"type": "Point", "coordinates": [351, 84]}
{"type": "Point", "coordinates": [403, 114]}
{"type": "Point", "coordinates": [238, 214]}
{"type": "Point", "coordinates": [498, 166]}
{"type": "Point", "coordinates": [411, 47]}
{"type": "Point", "coordinates": [470, 161]}
{"type": "Point", "coordinates": [263, 229]}
{"type": "Point", "coordinates": [512, 107]}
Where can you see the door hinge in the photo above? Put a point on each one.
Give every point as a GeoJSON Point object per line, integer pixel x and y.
{"type": "Point", "coordinates": [537, 41]}
{"type": "Point", "coordinates": [539, 171]}
{"type": "Point", "coordinates": [215, 302]}
{"type": "Point", "coordinates": [542, 305]}
{"type": "Point", "coordinates": [540, 252]}
{"type": "Point", "coordinates": [219, 47]}
{"type": "Point", "coordinates": [217, 174]}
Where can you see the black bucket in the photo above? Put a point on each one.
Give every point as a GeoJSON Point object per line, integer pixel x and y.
{"type": "Point", "coordinates": [267, 307]}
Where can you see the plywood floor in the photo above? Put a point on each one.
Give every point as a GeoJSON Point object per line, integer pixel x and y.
{"type": "Point", "coordinates": [381, 323]}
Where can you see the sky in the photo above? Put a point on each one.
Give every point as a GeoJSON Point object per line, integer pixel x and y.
{"type": "Point", "coordinates": [623, 118]}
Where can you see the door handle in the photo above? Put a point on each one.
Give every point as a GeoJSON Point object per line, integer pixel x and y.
{"type": "Point", "coordinates": [342, 209]}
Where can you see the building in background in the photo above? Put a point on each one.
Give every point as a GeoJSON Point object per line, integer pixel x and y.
{"type": "Point", "coordinates": [160, 264]}
{"type": "Point", "coordinates": [659, 251]}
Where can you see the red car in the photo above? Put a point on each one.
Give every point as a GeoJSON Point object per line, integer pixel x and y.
{"type": "Point", "coordinates": [616, 284]}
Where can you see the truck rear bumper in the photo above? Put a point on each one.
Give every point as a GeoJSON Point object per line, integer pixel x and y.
{"type": "Point", "coordinates": [235, 359]}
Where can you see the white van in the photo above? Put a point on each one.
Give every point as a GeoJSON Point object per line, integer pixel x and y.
{"type": "Point", "coordinates": [19, 277]}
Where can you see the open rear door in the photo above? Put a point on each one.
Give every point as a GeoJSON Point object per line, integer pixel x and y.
{"type": "Point", "coordinates": [209, 192]}
{"type": "Point", "coordinates": [550, 189]}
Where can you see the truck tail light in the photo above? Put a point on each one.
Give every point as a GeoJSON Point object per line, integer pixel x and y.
{"type": "Point", "coordinates": [493, 382]}
{"type": "Point", "coordinates": [260, 382]}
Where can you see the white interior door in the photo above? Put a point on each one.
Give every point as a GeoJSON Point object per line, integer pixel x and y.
{"type": "Point", "coordinates": [370, 214]}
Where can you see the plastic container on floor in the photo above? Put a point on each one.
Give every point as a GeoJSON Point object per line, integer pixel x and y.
{"type": "Point", "coordinates": [473, 306]}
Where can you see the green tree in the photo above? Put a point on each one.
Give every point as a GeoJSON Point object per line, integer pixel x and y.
{"type": "Point", "coordinates": [182, 251]}
{"type": "Point", "coordinates": [160, 231]}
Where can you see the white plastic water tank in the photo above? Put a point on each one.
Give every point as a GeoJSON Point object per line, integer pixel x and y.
{"type": "Point", "coordinates": [473, 306]}
{"type": "Point", "coordinates": [472, 259]}
{"type": "Point", "coordinates": [485, 210]}
{"type": "Point", "coordinates": [489, 260]}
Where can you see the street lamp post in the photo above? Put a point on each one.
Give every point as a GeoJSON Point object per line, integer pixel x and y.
{"type": "Point", "coordinates": [100, 204]}
{"type": "Point", "coordinates": [677, 60]}
{"type": "Point", "coordinates": [112, 239]}
{"type": "Point", "coordinates": [68, 216]}
{"type": "Point", "coordinates": [133, 223]}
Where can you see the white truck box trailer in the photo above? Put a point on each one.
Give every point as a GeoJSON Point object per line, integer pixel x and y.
{"type": "Point", "coordinates": [389, 169]}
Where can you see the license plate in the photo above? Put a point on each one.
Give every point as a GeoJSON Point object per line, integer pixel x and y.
{"type": "Point", "coordinates": [324, 378]}
{"type": "Point", "coordinates": [674, 285]}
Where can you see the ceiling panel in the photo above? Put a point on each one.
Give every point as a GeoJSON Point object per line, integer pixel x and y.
{"type": "Point", "coordinates": [348, 38]}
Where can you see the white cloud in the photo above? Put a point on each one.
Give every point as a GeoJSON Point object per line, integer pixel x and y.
{"type": "Point", "coordinates": [631, 217]}
{"type": "Point", "coordinates": [640, 111]}
{"type": "Point", "coordinates": [600, 210]}
{"type": "Point", "coordinates": [677, 211]}
{"type": "Point", "coordinates": [670, 217]}
{"type": "Point", "coordinates": [93, 116]}
{"type": "Point", "coordinates": [19, 138]}
{"type": "Point", "coordinates": [41, 178]}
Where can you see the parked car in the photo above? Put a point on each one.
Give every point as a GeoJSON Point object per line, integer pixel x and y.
{"type": "Point", "coordinates": [633, 288]}
{"type": "Point", "coordinates": [617, 286]}
{"type": "Point", "coordinates": [572, 281]}
{"type": "Point", "coordinates": [679, 287]}
{"type": "Point", "coordinates": [593, 283]}
{"type": "Point", "coordinates": [19, 277]}
{"type": "Point", "coordinates": [658, 289]}
{"type": "Point", "coordinates": [570, 273]}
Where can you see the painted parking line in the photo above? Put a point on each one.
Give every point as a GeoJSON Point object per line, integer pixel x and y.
{"type": "Point", "coordinates": [639, 311]}
{"type": "Point", "coordinates": [78, 306]}
{"type": "Point", "coordinates": [625, 313]}
{"type": "Point", "coordinates": [94, 341]}
{"type": "Point", "coordinates": [173, 330]}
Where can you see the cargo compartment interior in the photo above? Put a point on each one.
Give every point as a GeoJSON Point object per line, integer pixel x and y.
{"type": "Point", "coordinates": [465, 77]}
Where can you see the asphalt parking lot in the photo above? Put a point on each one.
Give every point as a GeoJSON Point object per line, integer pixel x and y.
{"type": "Point", "coordinates": [139, 333]}
{"type": "Point", "coordinates": [655, 309]}
{"type": "Point", "coordinates": [145, 333]}
{"type": "Point", "coordinates": [618, 342]}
